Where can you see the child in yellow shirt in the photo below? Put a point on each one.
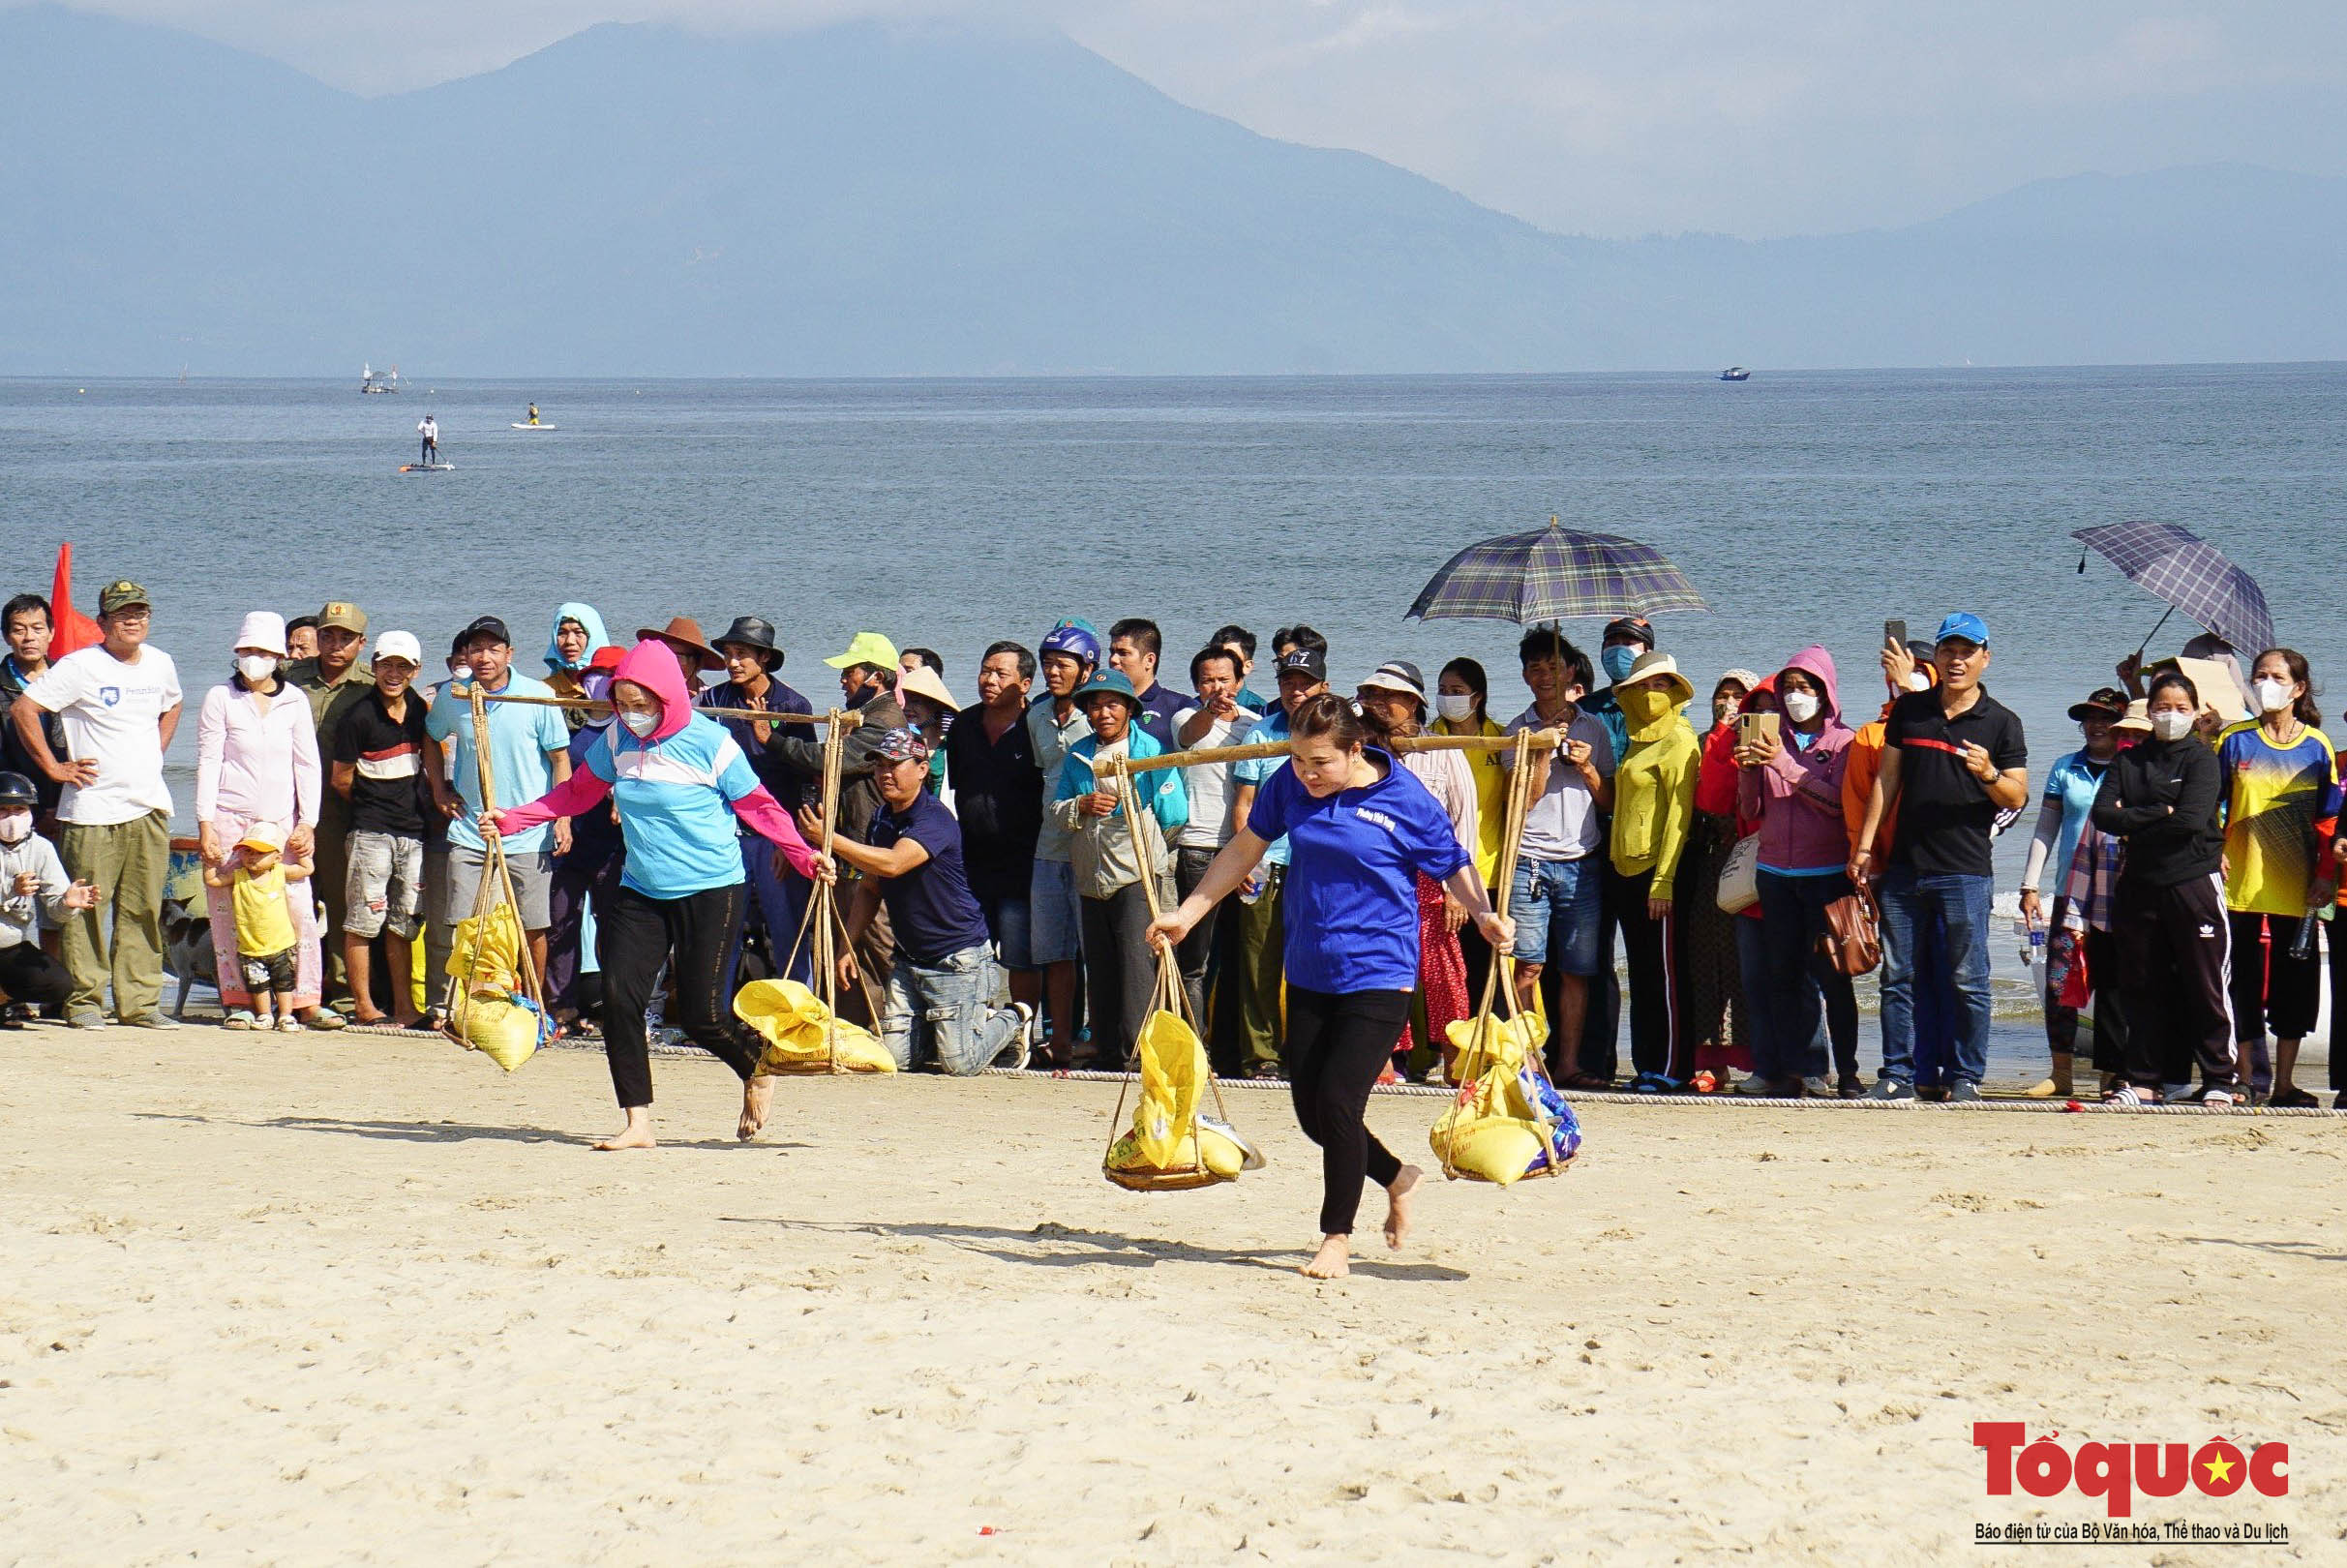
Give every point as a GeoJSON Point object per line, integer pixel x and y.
{"type": "Point", "coordinates": [256, 873]}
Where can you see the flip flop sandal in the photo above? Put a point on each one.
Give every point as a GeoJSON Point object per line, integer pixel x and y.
{"type": "Point", "coordinates": [1588, 1083]}
{"type": "Point", "coordinates": [329, 1018]}
{"type": "Point", "coordinates": [2293, 1099]}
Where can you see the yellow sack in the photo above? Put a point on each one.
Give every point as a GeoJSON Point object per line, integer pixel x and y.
{"type": "Point", "coordinates": [1491, 1131]}
{"type": "Point", "coordinates": [1505, 1044]}
{"type": "Point", "coordinates": [500, 1026]}
{"type": "Point", "coordinates": [487, 950]}
{"type": "Point", "coordinates": [1171, 1146]}
{"type": "Point", "coordinates": [793, 1020]}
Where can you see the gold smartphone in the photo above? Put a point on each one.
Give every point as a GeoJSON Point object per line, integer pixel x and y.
{"type": "Point", "coordinates": [1752, 726]}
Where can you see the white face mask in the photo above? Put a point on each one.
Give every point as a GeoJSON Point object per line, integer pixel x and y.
{"type": "Point", "coordinates": [1917, 680]}
{"type": "Point", "coordinates": [2170, 725]}
{"type": "Point", "coordinates": [640, 724]}
{"type": "Point", "coordinates": [2272, 696]}
{"type": "Point", "coordinates": [1456, 706]}
{"type": "Point", "coordinates": [15, 828]}
{"type": "Point", "coordinates": [1800, 706]}
{"type": "Point", "coordinates": [255, 667]}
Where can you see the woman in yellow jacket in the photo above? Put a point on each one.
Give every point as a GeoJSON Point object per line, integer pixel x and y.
{"type": "Point", "coordinates": [1461, 697]}
{"type": "Point", "coordinates": [1653, 818]}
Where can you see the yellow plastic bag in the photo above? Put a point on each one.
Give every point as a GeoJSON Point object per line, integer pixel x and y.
{"type": "Point", "coordinates": [1171, 1146]}
{"type": "Point", "coordinates": [1492, 1131]}
{"type": "Point", "coordinates": [500, 1025]}
{"type": "Point", "coordinates": [793, 1020]}
{"type": "Point", "coordinates": [486, 951]}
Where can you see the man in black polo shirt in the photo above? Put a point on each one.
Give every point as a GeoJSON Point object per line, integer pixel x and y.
{"type": "Point", "coordinates": [1952, 759]}
{"type": "Point", "coordinates": [998, 791]}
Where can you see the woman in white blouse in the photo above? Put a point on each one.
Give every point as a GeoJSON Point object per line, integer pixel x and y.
{"type": "Point", "coordinates": [1393, 704]}
{"type": "Point", "coordinates": [256, 761]}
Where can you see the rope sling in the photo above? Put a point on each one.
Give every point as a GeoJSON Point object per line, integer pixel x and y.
{"type": "Point", "coordinates": [494, 887]}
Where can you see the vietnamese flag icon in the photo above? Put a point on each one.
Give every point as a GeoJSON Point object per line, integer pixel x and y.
{"type": "Point", "coordinates": [69, 628]}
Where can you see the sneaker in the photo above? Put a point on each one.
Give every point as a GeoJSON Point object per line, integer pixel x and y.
{"type": "Point", "coordinates": [1964, 1092]}
{"type": "Point", "coordinates": [1817, 1088]}
{"type": "Point", "coordinates": [2219, 1097]}
{"type": "Point", "coordinates": [1020, 1051]}
{"type": "Point", "coordinates": [87, 1020]}
{"type": "Point", "coordinates": [151, 1020]}
{"type": "Point", "coordinates": [1756, 1087]}
{"type": "Point", "coordinates": [1891, 1088]}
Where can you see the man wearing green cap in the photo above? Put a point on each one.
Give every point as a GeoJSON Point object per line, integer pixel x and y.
{"type": "Point", "coordinates": [335, 680]}
{"type": "Point", "coordinates": [120, 704]}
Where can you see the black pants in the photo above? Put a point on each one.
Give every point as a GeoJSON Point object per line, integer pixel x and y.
{"type": "Point", "coordinates": [1650, 947]}
{"type": "Point", "coordinates": [29, 976]}
{"type": "Point", "coordinates": [1793, 917]}
{"type": "Point", "coordinates": [1206, 943]}
{"type": "Point", "coordinates": [1335, 1049]}
{"type": "Point", "coordinates": [1120, 971]}
{"type": "Point", "coordinates": [2174, 947]}
{"type": "Point", "coordinates": [634, 935]}
{"type": "Point", "coordinates": [2270, 990]}
{"type": "Point", "coordinates": [1601, 1024]}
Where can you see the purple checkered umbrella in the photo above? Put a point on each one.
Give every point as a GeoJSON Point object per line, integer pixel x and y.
{"type": "Point", "coordinates": [1553, 574]}
{"type": "Point", "coordinates": [2176, 567]}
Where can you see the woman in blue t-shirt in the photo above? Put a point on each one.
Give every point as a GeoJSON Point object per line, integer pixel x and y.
{"type": "Point", "coordinates": [1360, 830]}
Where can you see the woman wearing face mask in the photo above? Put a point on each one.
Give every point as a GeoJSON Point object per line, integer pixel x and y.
{"type": "Point", "coordinates": [1718, 1025]}
{"type": "Point", "coordinates": [1653, 818]}
{"type": "Point", "coordinates": [2168, 911]}
{"type": "Point", "coordinates": [1360, 829]}
{"type": "Point", "coordinates": [1792, 785]}
{"type": "Point", "coordinates": [2280, 822]}
{"type": "Point", "coordinates": [256, 762]}
{"type": "Point", "coordinates": [2070, 788]}
{"type": "Point", "coordinates": [1393, 707]}
{"type": "Point", "coordinates": [680, 781]}
{"type": "Point", "coordinates": [1462, 698]}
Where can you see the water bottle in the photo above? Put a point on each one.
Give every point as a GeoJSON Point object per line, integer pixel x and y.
{"type": "Point", "coordinates": [2032, 944]}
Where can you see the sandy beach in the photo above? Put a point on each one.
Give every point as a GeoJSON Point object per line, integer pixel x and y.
{"type": "Point", "coordinates": [368, 1299]}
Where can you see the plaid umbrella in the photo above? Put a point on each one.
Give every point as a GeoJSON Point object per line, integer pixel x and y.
{"type": "Point", "coordinates": [2177, 566]}
{"type": "Point", "coordinates": [1552, 574]}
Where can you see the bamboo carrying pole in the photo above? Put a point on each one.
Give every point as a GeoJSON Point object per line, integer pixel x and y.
{"type": "Point", "coordinates": [599, 708]}
{"type": "Point", "coordinates": [1541, 740]}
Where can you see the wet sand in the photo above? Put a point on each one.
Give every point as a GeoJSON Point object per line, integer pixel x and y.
{"type": "Point", "coordinates": [359, 1299]}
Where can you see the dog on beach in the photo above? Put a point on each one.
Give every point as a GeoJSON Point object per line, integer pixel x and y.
{"type": "Point", "coordinates": [187, 948]}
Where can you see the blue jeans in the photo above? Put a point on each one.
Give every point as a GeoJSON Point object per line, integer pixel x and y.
{"type": "Point", "coordinates": [1558, 913]}
{"type": "Point", "coordinates": [946, 1011]}
{"type": "Point", "coordinates": [1960, 904]}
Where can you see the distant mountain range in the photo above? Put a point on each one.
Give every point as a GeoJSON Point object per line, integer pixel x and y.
{"type": "Point", "coordinates": [874, 201]}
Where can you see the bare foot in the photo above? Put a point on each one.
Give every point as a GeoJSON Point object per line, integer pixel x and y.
{"type": "Point", "coordinates": [757, 1100]}
{"type": "Point", "coordinates": [1333, 1260]}
{"type": "Point", "coordinates": [410, 1019]}
{"type": "Point", "coordinates": [1398, 1206]}
{"type": "Point", "coordinates": [636, 1134]}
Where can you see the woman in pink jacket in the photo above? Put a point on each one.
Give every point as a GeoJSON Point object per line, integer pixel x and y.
{"type": "Point", "coordinates": [255, 762]}
{"type": "Point", "coordinates": [1793, 786]}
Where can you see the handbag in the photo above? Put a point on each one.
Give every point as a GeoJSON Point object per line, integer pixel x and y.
{"type": "Point", "coordinates": [1740, 876]}
{"type": "Point", "coordinates": [1851, 944]}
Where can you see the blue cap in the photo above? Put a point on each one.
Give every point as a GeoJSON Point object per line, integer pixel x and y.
{"type": "Point", "coordinates": [1073, 636]}
{"type": "Point", "coordinates": [1965, 624]}
{"type": "Point", "coordinates": [1112, 681]}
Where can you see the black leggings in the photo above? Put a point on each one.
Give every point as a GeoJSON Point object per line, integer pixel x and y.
{"type": "Point", "coordinates": [634, 935]}
{"type": "Point", "coordinates": [1335, 1047]}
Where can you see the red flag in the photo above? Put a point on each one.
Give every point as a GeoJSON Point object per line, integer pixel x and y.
{"type": "Point", "coordinates": [70, 629]}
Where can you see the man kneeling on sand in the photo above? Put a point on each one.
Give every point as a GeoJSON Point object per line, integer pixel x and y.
{"type": "Point", "coordinates": [942, 989]}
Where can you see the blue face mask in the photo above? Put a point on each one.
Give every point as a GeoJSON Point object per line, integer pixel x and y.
{"type": "Point", "coordinates": [1618, 660]}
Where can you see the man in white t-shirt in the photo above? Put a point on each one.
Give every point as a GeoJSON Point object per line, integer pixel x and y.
{"type": "Point", "coordinates": [1215, 719]}
{"type": "Point", "coordinates": [119, 703]}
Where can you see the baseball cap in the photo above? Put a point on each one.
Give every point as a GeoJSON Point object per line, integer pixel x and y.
{"type": "Point", "coordinates": [1398, 674]}
{"type": "Point", "coordinates": [902, 745]}
{"type": "Point", "coordinates": [1965, 624]}
{"type": "Point", "coordinates": [866, 648]}
{"type": "Point", "coordinates": [1634, 627]}
{"type": "Point", "coordinates": [263, 835]}
{"type": "Point", "coordinates": [1305, 661]}
{"type": "Point", "coordinates": [399, 645]}
{"type": "Point", "coordinates": [121, 594]}
{"type": "Point", "coordinates": [341, 615]}
{"type": "Point", "coordinates": [605, 659]}
{"type": "Point", "coordinates": [485, 626]}
{"type": "Point", "coordinates": [2104, 701]}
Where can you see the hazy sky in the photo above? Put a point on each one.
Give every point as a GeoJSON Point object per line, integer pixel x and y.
{"type": "Point", "coordinates": [1611, 117]}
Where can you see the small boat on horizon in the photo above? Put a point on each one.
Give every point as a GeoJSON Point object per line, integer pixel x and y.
{"type": "Point", "coordinates": [371, 379]}
{"type": "Point", "coordinates": [1735, 373]}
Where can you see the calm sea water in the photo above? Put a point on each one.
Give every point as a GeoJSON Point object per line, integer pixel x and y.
{"type": "Point", "coordinates": [1805, 508]}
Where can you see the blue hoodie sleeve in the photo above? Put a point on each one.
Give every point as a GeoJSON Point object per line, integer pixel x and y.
{"type": "Point", "coordinates": [1069, 785]}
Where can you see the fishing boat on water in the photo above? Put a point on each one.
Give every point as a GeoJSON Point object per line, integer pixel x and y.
{"type": "Point", "coordinates": [371, 379]}
{"type": "Point", "coordinates": [1735, 373]}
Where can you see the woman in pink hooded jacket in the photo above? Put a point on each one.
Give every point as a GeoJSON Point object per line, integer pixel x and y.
{"type": "Point", "coordinates": [678, 781]}
{"type": "Point", "coordinates": [1793, 786]}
